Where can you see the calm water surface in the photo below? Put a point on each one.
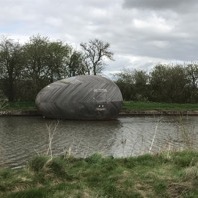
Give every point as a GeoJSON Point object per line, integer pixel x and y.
{"type": "Point", "coordinates": [23, 137]}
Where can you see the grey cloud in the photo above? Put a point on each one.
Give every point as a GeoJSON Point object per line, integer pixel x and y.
{"type": "Point", "coordinates": [160, 4]}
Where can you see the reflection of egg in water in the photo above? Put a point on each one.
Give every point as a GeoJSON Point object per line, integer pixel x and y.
{"type": "Point", "coordinates": [80, 98]}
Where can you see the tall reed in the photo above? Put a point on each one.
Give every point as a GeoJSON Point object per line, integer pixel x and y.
{"type": "Point", "coordinates": [52, 130]}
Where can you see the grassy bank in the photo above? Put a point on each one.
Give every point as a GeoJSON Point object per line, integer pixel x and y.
{"type": "Point", "coordinates": [164, 175]}
{"type": "Point", "coordinates": [22, 105]}
{"type": "Point", "coordinates": [127, 105]}
{"type": "Point", "coordinates": [142, 106]}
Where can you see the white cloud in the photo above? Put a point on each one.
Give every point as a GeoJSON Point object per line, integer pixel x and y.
{"type": "Point", "coordinates": [154, 24]}
{"type": "Point", "coordinates": [54, 22]}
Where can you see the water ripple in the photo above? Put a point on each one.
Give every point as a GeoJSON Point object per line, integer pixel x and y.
{"type": "Point", "coordinates": [23, 137]}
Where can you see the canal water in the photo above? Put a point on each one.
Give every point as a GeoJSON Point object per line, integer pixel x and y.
{"type": "Point", "coordinates": [24, 137]}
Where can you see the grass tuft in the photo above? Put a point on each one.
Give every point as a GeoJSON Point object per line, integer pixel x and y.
{"type": "Point", "coordinates": [37, 163]}
{"type": "Point", "coordinates": [94, 159]}
{"type": "Point", "coordinates": [30, 193]}
{"type": "Point", "coordinates": [185, 159]}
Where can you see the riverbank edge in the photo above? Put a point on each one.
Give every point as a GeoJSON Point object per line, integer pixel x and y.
{"type": "Point", "coordinates": [123, 113]}
{"type": "Point", "coordinates": [157, 113]}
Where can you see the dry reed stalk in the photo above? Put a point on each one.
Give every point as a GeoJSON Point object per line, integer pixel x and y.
{"type": "Point", "coordinates": [154, 136]}
{"type": "Point", "coordinates": [52, 130]}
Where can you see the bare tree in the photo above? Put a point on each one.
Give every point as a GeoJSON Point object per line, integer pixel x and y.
{"type": "Point", "coordinates": [94, 53]}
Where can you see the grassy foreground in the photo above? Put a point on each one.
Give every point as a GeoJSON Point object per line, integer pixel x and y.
{"type": "Point", "coordinates": [163, 175]}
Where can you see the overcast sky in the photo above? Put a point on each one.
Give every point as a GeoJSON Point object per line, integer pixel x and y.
{"type": "Point", "coordinates": [142, 33]}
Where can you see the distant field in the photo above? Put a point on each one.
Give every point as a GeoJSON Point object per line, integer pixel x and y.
{"type": "Point", "coordinates": [130, 105]}
{"type": "Point", "coordinates": [127, 105]}
{"type": "Point", "coordinates": [27, 105]}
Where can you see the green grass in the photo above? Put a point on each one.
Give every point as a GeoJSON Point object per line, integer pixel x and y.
{"type": "Point", "coordinates": [127, 105]}
{"type": "Point", "coordinates": [141, 106]}
{"type": "Point", "coordinates": [166, 174]}
{"type": "Point", "coordinates": [22, 105]}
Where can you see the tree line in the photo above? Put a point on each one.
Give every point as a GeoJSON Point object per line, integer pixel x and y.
{"type": "Point", "coordinates": [165, 83]}
{"type": "Point", "coordinates": [26, 68]}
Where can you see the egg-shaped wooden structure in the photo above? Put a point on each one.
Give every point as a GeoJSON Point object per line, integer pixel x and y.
{"type": "Point", "coordinates": [80, 98]}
